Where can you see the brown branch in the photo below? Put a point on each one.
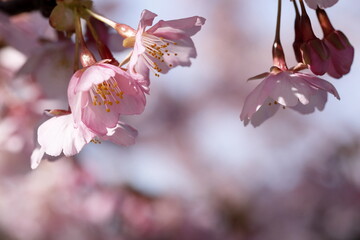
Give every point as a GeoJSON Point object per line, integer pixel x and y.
{"type": "Point", "coordinates": [14, 7]}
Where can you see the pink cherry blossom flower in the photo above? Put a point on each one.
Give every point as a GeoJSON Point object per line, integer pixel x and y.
{"type": "Point", "coordinates": [60, 135]}
{"type": "Point", "coordinates": [98, 94]}
{"type": "Point", "coordinates": [320, 3]}
{"type": "Point", "coordinates": [163, 46]}
{"type": "Point", "coordinates": [287, 89]}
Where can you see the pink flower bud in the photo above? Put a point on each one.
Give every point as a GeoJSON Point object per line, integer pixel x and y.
{"type": "Point", "coordinates": [340, 50]}
{"type": "Point", "coordinates": [315, 54]}
{"type": "Point", "coordinates": [341, 54]}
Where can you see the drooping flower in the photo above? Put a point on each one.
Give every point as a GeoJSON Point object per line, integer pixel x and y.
{"type": "Point", "coordinates": [340, 49]}
{"type": "Point", "coordinates": [165, 45]}
{"type": "Point", "coordinates": [287, 89]}
{"type": "Point", "coordinates": [320, 3]}
{"type": "Point", "coordinates": [98, 94]}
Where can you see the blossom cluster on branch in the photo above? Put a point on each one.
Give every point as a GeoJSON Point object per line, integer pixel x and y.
{"type": "Point", "coordinates": [102, 89]}
{"type": "Point", "coordinates": [285, 87]}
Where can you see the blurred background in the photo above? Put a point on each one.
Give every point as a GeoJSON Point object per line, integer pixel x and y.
{"type": "Point", "coordinates": [195, 172]}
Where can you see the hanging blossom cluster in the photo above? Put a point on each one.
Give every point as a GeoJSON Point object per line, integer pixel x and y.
{"type": "Point", "coordinates": [102, 90]}
{"type": "Point", "coordinates": [285, 87]}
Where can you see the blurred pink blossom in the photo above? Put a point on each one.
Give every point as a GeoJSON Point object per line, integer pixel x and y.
{"type": "Point", "coordinates": [53, 61]}
{"type": "Point", "coordinates": [24, 31]}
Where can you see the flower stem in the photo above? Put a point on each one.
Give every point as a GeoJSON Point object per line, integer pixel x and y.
{"type": "Point", "coordinates": [306, 28]}
{"type": "Point", "coordinates": [77, 43]}
{"type": "Point", "coordinates": [324, 21]}
{"type": "Point", "coordinates": [278, 20]}
{"type": "Point", "coordinates": [124, 30]}
{"type": "Point", "coordinates": [86, 57]}
{"type": "Point", "coordinates": [297, 12]}
{"type": "Point", "coordinates": [277, 50]}
{"type": "Point", "coordinates": [104, 51]}
{"type": "Point", "coordinates": [101, 18]}
{"type": "Point", "coordinates": [298, 34]}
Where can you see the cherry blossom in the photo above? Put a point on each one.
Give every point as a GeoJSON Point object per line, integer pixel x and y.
{"type": "Point", "coordinates": [287, 89]}
{"type": "Point", "coordinates": [98, 94]}
{"type": "Point", "coordinates": [320, 3]}
{"type": "Point", "coordinates": [165, 45]}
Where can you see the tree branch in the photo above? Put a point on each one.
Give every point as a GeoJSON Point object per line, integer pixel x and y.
{"type": "Point", "coordinates": [14, 7]}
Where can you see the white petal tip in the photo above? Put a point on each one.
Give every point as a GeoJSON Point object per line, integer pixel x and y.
{"type": "Point", "coordinates": [36, 157]}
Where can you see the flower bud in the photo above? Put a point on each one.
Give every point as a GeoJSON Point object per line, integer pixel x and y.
{"type": "Point", "coordinates": [62, 18]}
{"type": "Point", "coordinates": [340, 50]}
{"type": "Point", "coordinates": [341, 54]}
{"type": "Point", "coordinates": [315, 54]}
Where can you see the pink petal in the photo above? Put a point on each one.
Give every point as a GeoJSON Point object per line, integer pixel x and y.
{"type": "Point", "coordinates": [58, 135]}
{"type": "Point", "coordinates": [94, 75]}
{"type": "Point", "coordinates": [134, 100]}
{"type": "Point", "coordinates": [302, 89]}
{"type": "Point", "coordinates": [266, 111]}
{"type": "Point", "coordinates": [317, 100]}
{"type": "Point", "coordinates": [255, 100]}
{"type": "Point", "coordinates": [97, 118]}
{"type": "Point", "coordinates": [281, 89]}
{"type": "Point", "coordinates": [320, 84]}
{"type": "Point", "coordinates": [36, 157]}
{"type": "Point", "coordinates": [176, 29]}
{"type": "Point", "coordinates": [147, 18]}
{"type": "Point", "coordinates": [136, 64]}
{"type": "Point", "coordinates": [141, 73]}
{"type": "Point", "coordinates": [122, 134]}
